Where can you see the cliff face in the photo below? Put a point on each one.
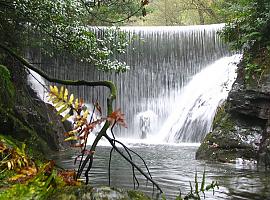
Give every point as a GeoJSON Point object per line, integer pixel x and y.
{"type": "Point", "coordinates": [241, 128]}
{"type": "Point", "coordinates": [24, 117]}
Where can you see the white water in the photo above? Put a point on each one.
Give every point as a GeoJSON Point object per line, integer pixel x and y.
{"type": "Point", "coordinates": [37, 82]}
{"type": "Point", "coordinates": [194, 109]}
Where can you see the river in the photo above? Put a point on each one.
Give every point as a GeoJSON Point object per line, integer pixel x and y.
{"type": "Point", "coordinates": [172, 167]}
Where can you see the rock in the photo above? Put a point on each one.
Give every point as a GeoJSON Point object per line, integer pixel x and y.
{"type": "Point", "coordinates": [97, 193]}
{"type": "Point", "coordinates": [25, 117]}
{"type": "Point", "coordinates": [241, 128]}
{"type": "Point", "coordinates": [7, 91]}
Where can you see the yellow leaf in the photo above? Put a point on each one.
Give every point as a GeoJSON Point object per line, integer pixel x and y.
{"type": "Point", "coordinates": [51, 97]}
{"type": "Point", "coordinates": [66, 95]}
{"type": "Point", "coordinates": [72, 132]}
{"type": "Point", "coordinates": [85, 114]}
{"type": "Point", "coordinates": [55, 100]}
{"type": "Point", "coordinates": [55, 89]}
{"type": "Point", "coordinates": [25, 161]}
{"type": "Point", "coordinates": [59, 104]}
{"type": "Point", "coordinates": [12, 164]}
{"type": "Point", "coordinates": [17, 177]}
{"type": "Point", "coordinates": [61, 94]}
{"type": "Point", "coordinates": [76, 106]}
{"type": "Point", "coordinates": [9, 165]}
{"type": "Point", "coordinates": [71, 99]}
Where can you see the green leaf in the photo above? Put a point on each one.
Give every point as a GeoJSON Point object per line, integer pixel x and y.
{"type": "Point", "coordinates": [71, 138]}
{"type": "Point", "coordinates": [63, 109]}
{"type": "Point", "coordinates": [203, 181]}
{"type": "Point", "coordinates": [191, 188]}
{"type": "Point", "coordinates": [196, 183]}
{"type": "Point", "coordinates": [66, 117]}
{"type": "Point", "coordinates": [59, 104]}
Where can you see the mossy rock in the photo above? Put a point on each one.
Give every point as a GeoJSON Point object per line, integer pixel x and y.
{"type": "Point", "coordinates": [229, 140]}
{"type": "Point", "coordinates": [87, 192]}
{"type": "Point", "coordinates": [19, 132]}
{"type": "Point", "coordinates": [7, 91]}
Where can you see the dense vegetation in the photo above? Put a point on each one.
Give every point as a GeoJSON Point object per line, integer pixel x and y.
{"type": "Point", "coordinates": [247, 30]}
{"type": "Point", "coordinates": [178, 12]}
{"type": "Point", "coordinates": [62, 27]}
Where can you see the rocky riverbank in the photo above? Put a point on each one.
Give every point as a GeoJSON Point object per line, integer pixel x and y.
{"type": "Point", "coordinates": [241, 128]}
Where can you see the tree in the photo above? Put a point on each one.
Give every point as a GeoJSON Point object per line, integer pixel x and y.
{"type": "Point", "coordinates": [61, 26]}
{"type": "Point", "coordinates": [179, 12]}
{"type": "Point", "coordinates": [114, 11]}
{"type": "Point", "coordinates": [247, 29]}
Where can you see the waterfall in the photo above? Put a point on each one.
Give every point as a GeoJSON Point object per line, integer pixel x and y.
{"type": "Point", "coordinates": [195, 106]}
{"type": "Point", "coordinates": [162, 61]}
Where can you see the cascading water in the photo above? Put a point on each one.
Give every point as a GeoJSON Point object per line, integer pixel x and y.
{"type": "Point", "coordinates": [162, 62]}
{"type": "Point", "coordinates": [195, 107]}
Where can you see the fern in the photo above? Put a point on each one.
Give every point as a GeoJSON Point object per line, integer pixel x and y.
{"type": "Point", "coordinates": [75, 108]}
{"type": "Point", "coordinates": [62, 101]}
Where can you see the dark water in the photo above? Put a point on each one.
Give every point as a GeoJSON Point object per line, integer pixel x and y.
{"type": "Point", "coordinates": [172, 167]}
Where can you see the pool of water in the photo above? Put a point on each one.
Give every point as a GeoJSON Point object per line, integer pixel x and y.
{"type": "Point", "coordinates": [172, 167]}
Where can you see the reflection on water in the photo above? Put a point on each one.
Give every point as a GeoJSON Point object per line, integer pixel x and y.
{"type": "Point", "coordinates": [172, 167]}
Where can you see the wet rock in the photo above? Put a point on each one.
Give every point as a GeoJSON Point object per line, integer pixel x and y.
{"type": "Point", "coordinates": [7, 91]}
{"type": "Point", "coordinates": [25, 117]}
{"type": "Point", "coordinates": [97, 193]}
{"type": "Point", "coordinates": [241, 128]}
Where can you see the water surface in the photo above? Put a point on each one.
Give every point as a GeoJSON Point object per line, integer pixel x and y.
{"type": "Point", "coordinates": [172, 167]}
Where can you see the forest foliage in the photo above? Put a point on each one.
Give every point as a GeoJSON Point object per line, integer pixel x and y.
{"type": "Point", "coordinates": [59, 27]}
{"type": "Point", "coordinates": [247, 29]}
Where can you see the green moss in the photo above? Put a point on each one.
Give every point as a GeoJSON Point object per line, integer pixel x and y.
{"type": "Point", "coordinates": [7, 92]}
{"type": "Point", "coordinates": [259, 62]}
{"type": "Point", "coordinates": [97, 193]}
{"type": "Point", "coordinates": [220, 113]}
{"type": "Point", "coordinates": [13, 128]}
{"type": "Point", "coordinates": [223, 120]}
{"type": "Point", "coordinates": [137, 195]}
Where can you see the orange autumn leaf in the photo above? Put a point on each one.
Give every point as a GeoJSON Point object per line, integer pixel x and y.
{"type": "Point", "coordinates": [117, 117]}
{"type": "Point", "coordinates": [69, 177]}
